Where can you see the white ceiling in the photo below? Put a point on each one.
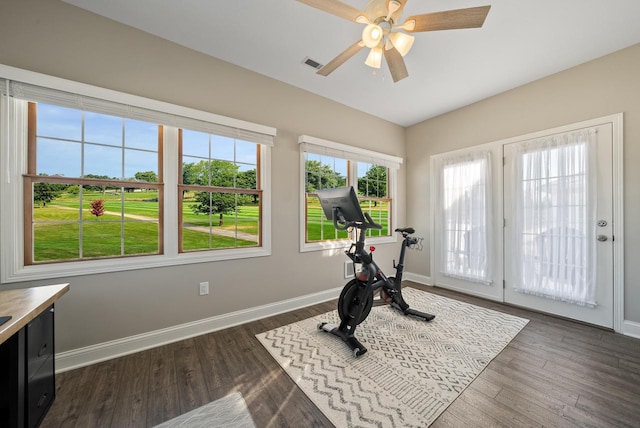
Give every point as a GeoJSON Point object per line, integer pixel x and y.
{"type": "Point", "coordinates": [521, 41]}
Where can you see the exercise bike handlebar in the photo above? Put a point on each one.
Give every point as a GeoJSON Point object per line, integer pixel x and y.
{"type": "Point", "coordinates": [370, 223]}
{"type": "Point", "coordinates": [340, 223]}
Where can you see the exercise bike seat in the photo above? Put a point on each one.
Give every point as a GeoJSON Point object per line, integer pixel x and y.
{"type": "Point", "coordinates": [408, 230]}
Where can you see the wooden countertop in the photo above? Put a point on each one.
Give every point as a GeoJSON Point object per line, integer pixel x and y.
{"type": "Point", "coordinates": [25, 304]}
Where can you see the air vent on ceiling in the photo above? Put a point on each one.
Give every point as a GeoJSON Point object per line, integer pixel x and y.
{"type": "Point", "coordinates": [311, 63]}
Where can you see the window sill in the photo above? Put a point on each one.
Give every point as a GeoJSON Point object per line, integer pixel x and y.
{"type": "Point", "coordinates": [91, 267]}
{"type": "Point", "coordinates": [343, 244]}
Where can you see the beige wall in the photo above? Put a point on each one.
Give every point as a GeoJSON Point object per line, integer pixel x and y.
{"type": "Point", "coordinates": [54, 38]}
{"type": "Point", "coordinates": [599, 88]}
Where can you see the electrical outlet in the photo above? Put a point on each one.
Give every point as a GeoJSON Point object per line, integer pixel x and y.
{"type": "Point", "coordinates": [204, 288]}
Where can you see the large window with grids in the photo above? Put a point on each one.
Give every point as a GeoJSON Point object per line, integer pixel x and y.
{"type": "Point", "coordinates": [92, 186]}
{"type": "Point", "coordinates": [325, 165]}
{"type": "Point", "coordinates": [97, 181]}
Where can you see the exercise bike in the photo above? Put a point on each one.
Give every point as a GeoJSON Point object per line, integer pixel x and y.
{"type": "Point", "coordinates": [357, 297]}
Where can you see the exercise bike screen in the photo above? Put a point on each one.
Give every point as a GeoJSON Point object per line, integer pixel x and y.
{"type": "Point", "coordinates": [343, 198]}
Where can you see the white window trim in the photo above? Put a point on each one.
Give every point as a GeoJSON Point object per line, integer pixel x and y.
{"type": "Point", "coordinates": [331, 148]}
{"type": "Point", "coordinates": [13, 160]}
{"type": "Point", "coordinates": [97, 94]}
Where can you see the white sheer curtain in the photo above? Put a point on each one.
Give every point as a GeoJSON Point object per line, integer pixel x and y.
{"type": "Point", "coordinates": [554, 206]}
{"type": "Point", "coordinates": [465, 195]}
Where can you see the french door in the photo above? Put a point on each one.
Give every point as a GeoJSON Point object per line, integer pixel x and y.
{"type": "Point", "coordinates": [558, 234]}
{"type": "Point", "coordinates": [552, 222]}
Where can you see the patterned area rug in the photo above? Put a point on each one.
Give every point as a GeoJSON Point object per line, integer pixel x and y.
{"type": "Point", "coordinates": [228, 412]}
{"type": "Point", "coordinates": [413, 369]}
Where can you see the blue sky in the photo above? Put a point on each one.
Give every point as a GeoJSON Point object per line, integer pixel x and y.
{"type": "Point", "coordinates": [111, 142]}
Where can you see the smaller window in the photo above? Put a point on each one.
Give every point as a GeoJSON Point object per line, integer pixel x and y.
{"type": "Point", "coordinates": [220, 195]}
{"type": "Point", "coordinates": [327, 165]}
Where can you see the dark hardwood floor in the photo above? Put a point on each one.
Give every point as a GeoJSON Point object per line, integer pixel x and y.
{"type": "Point", "coordinates": [554, 373]}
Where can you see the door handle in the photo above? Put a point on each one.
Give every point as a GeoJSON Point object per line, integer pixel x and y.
{"type": "Point", "coordinates": [602, 238]}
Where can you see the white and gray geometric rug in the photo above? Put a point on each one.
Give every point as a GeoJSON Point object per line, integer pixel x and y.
{"type": "Point", "coordinates": [228, 412]}
{"type": "Point", "coordinates": [413, 369]}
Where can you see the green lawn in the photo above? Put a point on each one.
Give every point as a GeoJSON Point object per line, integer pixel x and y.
{"type": "Point", "coordinates": [135, 203]}
{"type": "Point", "coordinates": [319, 228]}
{"type": "Point", "coordinates": [100, 238]}
{"type": "Point", "coordinates": [193, 241]}
{"type": "Point", "coordinates": [144, 204]}
{"type": "Point", "coordinates": [246, 219]}
{"type": "Point", "coordinates": [57, 234]}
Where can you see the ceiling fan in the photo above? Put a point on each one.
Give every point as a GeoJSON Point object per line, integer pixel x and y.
{"type": "Point", "coordinates": [382, 32]}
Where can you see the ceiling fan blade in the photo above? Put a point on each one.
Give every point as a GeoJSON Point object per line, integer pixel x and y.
{"type": "Point", "coordinates": [335, 7]}
{"type": "Point", "coordinates": [396, 64]}
{"type": "Point", "coordinates": [472, 17]}
{"type": "Point", "coordinates": [341, 59]}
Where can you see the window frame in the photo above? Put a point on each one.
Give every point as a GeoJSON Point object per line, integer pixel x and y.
{"type": "Point", "coordinates": [353, 155]}
{"type": "Point", "coordinates": [14, 158]}
{"type": "Point", "coordinates": [214, 189]}
{"type": "Point", "coordinates": [32, 177]}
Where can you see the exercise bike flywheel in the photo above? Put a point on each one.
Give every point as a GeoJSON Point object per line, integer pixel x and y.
{"type": "Point", "coordinates": [349, 301]}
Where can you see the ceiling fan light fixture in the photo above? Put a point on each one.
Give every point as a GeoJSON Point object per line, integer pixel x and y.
{"type": "Point", "coordinates": [374, 59]}
{"type": "Point", "coordinates": [372, 35]}
{"type": "Point", "coordinates": [384, 36]}
{"type": "Point", "coordinates": [402, 42]}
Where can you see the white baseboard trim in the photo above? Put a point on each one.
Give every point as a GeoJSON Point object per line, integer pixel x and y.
{"type": "Point", "coordinates": [631, 328]}
{"type": "Point", "coordinates": [420, 279]}
{"type": "Point", "coordinates": [82, 357]}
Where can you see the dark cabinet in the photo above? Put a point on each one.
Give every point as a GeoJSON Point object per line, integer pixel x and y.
{"type": "Point", "coordinates": [27, 381]}
{"type": "Point", "coordinates": [40, 393]}
{"type": "Point", "coordinates": [40, 367]}
{"type": "Point", "coordinates": [39, 341]}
